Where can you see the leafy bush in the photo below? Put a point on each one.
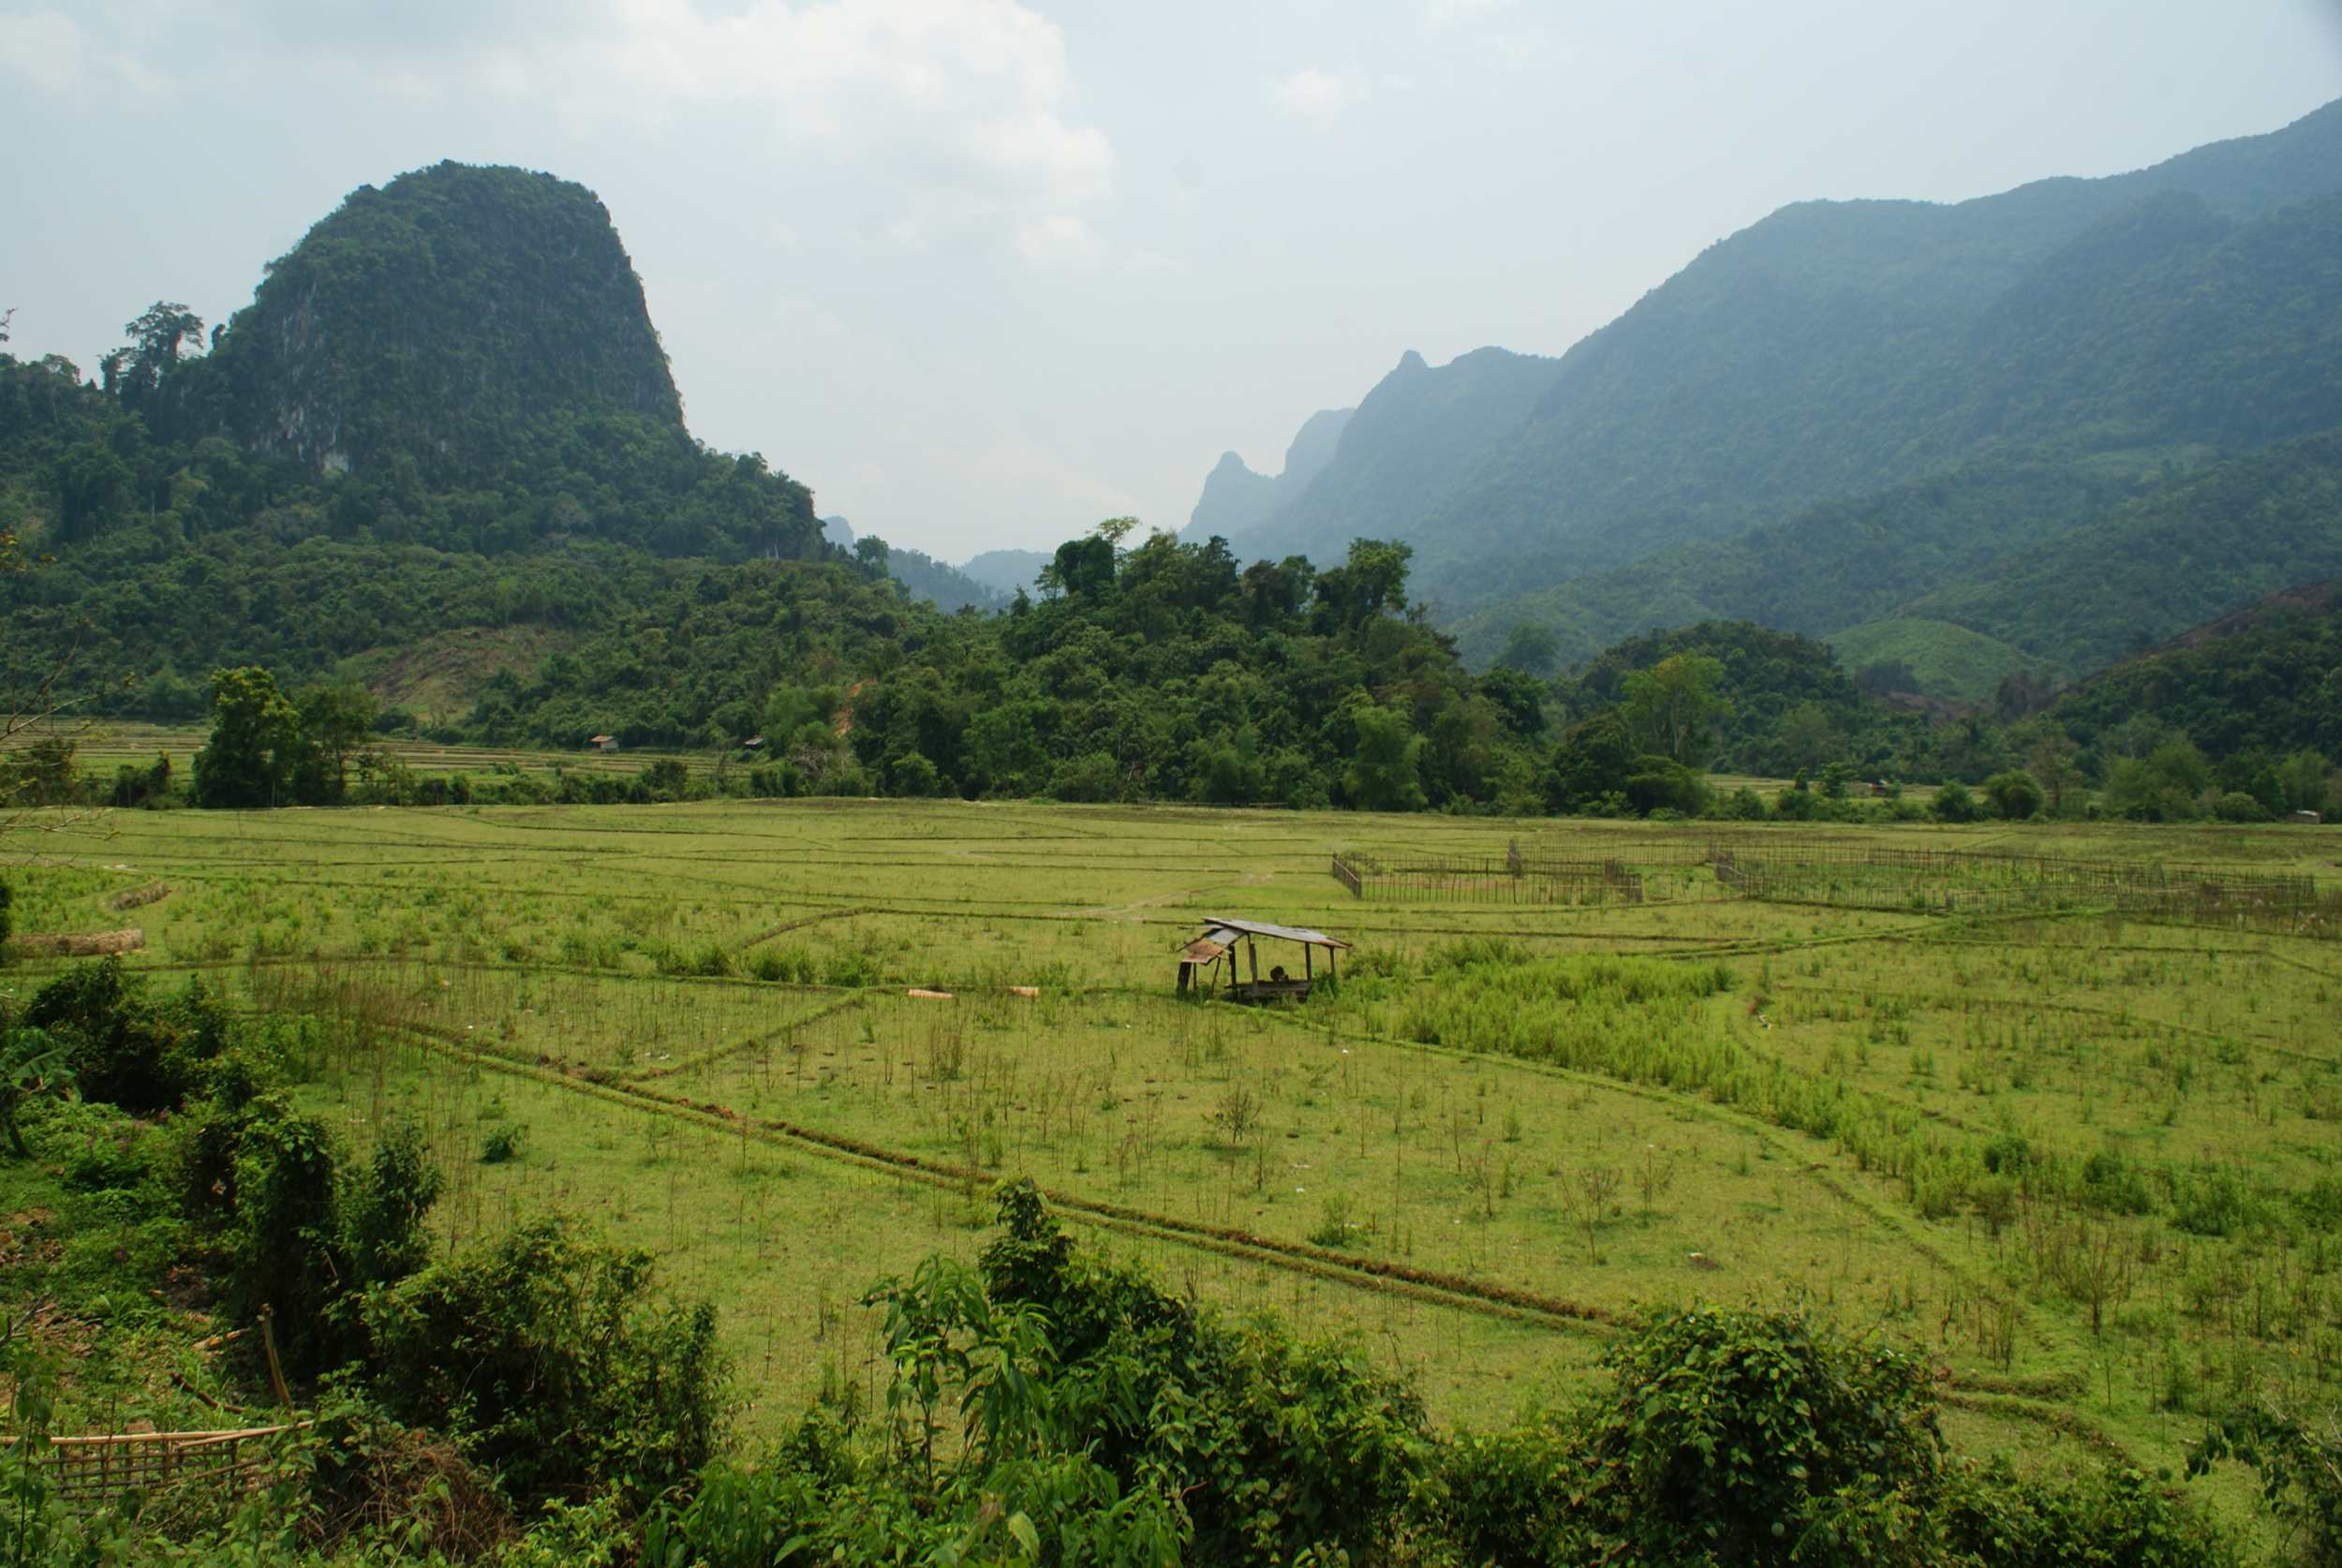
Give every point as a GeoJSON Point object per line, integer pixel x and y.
{"type": "Point", "coordinates": [547, 1356]}
{"type": "Point", "coordinates": [2212, 1203]}
{"type": "Point", "coordinates": [2117, 1518]}
{"type": "Point", "coordinates": [1657, 785]}
{"type": "Point", "coordinates": [1502, 1495]}
{"type": "Point", "coordinates": [2015, 794]}
{"type": "Point", "coordinates": [2237, 806]}
{"type": "Point", "coordinates": [2299, 1457]}
{"type": "Point", "coordinates": [1953, 804]}
{"type": "Point", "coordinates": [1093, 775]}
{"type": "Point", "coordinates": [1752, 1437]}
{"type": "Point", "coordinates": [2110, 1181]}
{"type": "Point", "coordinates": [124, 1048]}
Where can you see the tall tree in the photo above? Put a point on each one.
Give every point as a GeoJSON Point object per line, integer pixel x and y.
{"type": "Point", "coordinates": [1668, 705]}
{"type": "Point", "coordinates": [156, 338]}
{"type": "Point", "coordinates": [335, 721]}
{"type": "Point", "coordinates": [1382, 775]}
{"type": "Point", "coordinates": [255, 746]}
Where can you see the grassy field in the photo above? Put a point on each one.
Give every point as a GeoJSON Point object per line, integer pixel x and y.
{"type": "Point", "coordinates": [2089, 1164]}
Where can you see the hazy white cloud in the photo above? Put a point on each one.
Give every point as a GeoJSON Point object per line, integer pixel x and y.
{"type": "Point", "coordinates": [1318, 96]}
{"type": "Point", "coordinates": [1058, 238]}
{"type": "Point", "coordinates": [944, 115]}
{"type": "Point", "coordinates": [1448, 13]}
{"type": "Point", "coordinates": [957, 106]}
{"type": "Point", "coordinates": [52, 52]}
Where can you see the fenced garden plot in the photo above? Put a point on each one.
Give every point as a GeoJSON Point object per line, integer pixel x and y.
{"type": "Point", "coordinates": [1868, 876]}
{"type": "Point", "coordinates": [1516, 877]}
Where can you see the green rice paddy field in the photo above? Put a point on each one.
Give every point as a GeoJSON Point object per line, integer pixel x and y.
{"type": "Point", "coordinates": [2091, 1165]}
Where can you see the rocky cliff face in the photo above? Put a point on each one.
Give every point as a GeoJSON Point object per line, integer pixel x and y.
{"type": "Point", "coordinates": [451, 318]}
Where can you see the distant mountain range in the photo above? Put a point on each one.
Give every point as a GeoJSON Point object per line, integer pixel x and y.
{"type": "Point", "coordinates": [1819, 422]}
{"type": "Point", "coordinates": [1236, 498]}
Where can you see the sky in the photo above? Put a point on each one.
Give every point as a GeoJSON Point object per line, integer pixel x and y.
{"type": "Point", "coordinates": [982, 272]}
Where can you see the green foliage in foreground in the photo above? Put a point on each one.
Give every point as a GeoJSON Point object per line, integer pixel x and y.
{"type": "Point", "coordinates": [1050, 1409]}
{"type": "Point", "coordinates": [545, 1356]}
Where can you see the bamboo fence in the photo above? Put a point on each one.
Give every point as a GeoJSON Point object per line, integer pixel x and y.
{"type": "Point", "coordinates": [101, 1468]}
{"type": "Point", "coordinates": [1980, 882]}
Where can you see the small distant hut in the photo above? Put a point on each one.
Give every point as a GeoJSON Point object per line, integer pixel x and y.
{"type": "Point", "coordinates": [603, 742]}
{"type": "Point", "coordinates": [2308, 819]}
{"type": "Point", "coordinates": [1200, 960]}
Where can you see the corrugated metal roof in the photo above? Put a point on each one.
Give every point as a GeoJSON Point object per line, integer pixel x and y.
{"type": "Point", "coordinates": [1262, 928]}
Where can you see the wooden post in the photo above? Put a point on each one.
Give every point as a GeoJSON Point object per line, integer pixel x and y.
{"type": "Point", "coordinates": [276, 1367]}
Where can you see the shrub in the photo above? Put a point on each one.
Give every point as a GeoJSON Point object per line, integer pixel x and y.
{"type": "Point", "coordinates": [1953, 804]}
{"type": "Point", "coordinates": [7, 916]}
{"type": "Point", "coordinates": [2299, 1459]}
{"type": "Point", "coordinates": [278, 1236]}
{"type": "Point", "coordinates": [1991, 1515]}
{"type": "Point", "coordinates": [910, 775]}
{"type": "Point", "coordinates": [2238, 807]}
{"type": "Point", "coordinates": [2212, 1203]}
{"type": "Point", "coordinates": [1658, 784]}
{"type": "Point", "coordinates": [1502, 1496]}
{"type": "Point", "coordinates": [1273, 1446]}
{"type": "Point", "coordinates": [123, 1048]}
{"type": "Point", "coordinates": [1090, 776]}
{"type": "Point", "coordinates": [669, 778]}
{"type": "Point", "coordinates": [1797, 805]}
{"type": "Point", "coordinates": [2015, 794]}
{"type": "Point", "coordinates": [2111, 1182]}
{"type": "Point", "coordinates": [1753, 1436]}
{"type": "Point", "coordinates": [547, 1356]}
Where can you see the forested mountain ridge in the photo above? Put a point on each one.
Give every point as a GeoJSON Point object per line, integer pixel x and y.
{"type": "Point", "coordinates": [1236, 499]}
{"type": "Point", "coordinates": [1832, 566]}
{"type": "Point", "coordinates": [1410, 440]}
{"type": "Point", "coordinates": [445, 411]}
{"type": "Point", "coordinates": [2186, 551]}
{"type": "Point", "coordinates": [432, 323]}
{"type": "Point", "coordinates": [1836, 349]}
{"type": "Point", "coordinates": [2266, 679]}
{"type": "Point", "coordinates": [460, 360]}
{"type": "Point", "coordinates": [2130, 547]}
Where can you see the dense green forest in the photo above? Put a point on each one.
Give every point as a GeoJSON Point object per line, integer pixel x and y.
{"type": "Point", "coordinates": [1782, 706]}
{"type": "Point", "coordinates": [1949, 574]}
{"type": "Point", "coordinates": [539, 1396]}
{"type": "Point", "coordinates": [2193, 548]}
{"type": "Point", "coordinates": [1833, 566]}
{"type": "Point", "coordinates": [2268, 680]}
